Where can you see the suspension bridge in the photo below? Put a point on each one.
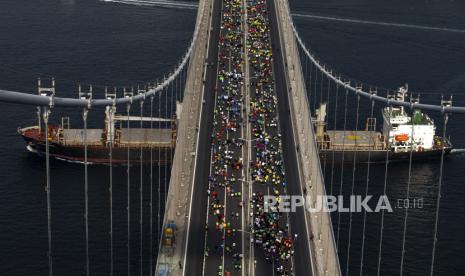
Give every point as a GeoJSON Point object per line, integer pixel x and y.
{"type": "Point", "coordinates": [238, 118]}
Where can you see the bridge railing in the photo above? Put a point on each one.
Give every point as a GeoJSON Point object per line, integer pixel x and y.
{"type": "Point", "coordinates": [179, 200]}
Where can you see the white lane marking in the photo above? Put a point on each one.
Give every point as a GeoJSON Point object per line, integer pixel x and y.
{"type": "Point", "coordinates": [288, 219]}
{"type": "Point", "coordinates": [196, 151]}
{"type": "Point", "coordinates": [211, 150]}
{"type": "Point", "coordinates": [294, 137]}
{"type": "Point", "coordinates": [211, 161]}
{"type": "Point", "coordinates": [247, 147]}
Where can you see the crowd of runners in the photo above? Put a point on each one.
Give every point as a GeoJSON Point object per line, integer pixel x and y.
{"type": "Point", "coordinates": [269, 231]}
{"type": "Point", "coordinates": [225, 193]}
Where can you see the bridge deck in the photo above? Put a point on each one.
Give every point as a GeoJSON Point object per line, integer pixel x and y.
{"type": "Point", "coordinates": [194, 236]}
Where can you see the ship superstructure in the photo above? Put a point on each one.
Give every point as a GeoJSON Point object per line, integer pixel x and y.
{"type": "Point", "coordinates": [403, 132]}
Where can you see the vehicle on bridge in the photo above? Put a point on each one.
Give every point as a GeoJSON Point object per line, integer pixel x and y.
{"type": "Point", "coordinates": [169, 238]}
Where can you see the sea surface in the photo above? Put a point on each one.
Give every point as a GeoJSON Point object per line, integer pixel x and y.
{"type": "Point", "coordinates": [110, 44]}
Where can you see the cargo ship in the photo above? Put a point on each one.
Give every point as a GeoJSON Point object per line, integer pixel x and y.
{"type": "Point", "coordinates": [67, 144]}
{"type": "Point", "coordinates": [402, 136]}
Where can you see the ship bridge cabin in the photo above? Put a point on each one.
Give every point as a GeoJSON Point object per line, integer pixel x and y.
{"type": "Point", "coordinates": [399, 128]}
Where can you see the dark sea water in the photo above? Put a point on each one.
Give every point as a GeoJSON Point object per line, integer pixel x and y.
{"type": "Point", "coordinates": [94, 43]}
{"type": "Point", "coordinates": [111, 44]}
{"type": "Point", "coordinates": [432, 63]}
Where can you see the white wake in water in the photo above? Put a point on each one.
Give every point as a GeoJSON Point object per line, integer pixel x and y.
{"type": "Point", "coordinates": [157, 3]}
{"type": "Point", "coordinates": [457, 151]}
{"type": "Point", "coordinates": [387, 24]}
{"type": "Point", "coordinates": [194, 5]}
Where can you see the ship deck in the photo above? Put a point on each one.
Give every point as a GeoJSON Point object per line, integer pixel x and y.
{"type": "Point", "coordinates": [353, 140]}
{"type": "Point", "coordinates": [76, 137]}
{"type": "Point", "coordinates": [157, 137]}
{"type": "Point", "coordinates": [146, 136]}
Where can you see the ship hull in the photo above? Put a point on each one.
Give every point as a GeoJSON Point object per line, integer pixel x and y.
{"type": "Point", "coordinates": [101, 154]}
{"type": "Point", "coordinates": [378, 156]}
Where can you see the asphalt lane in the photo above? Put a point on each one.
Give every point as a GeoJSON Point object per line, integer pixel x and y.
{"type": "Point", "coordinates": [273, 238]}
{"type": "Point", "coordinates": [196, 234]}
{"type": "Point", "coordinates": [223, 246]}
{"type": "Point", "coordinates": [302, 261]}
{"type": "Point", "coordinates": [196, 246]}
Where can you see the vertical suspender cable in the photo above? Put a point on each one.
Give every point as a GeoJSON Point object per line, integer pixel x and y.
{"type": "Point", "coordinates": [335, 127]}
{"type": "Point", "coordinates": [159, 226]}
{"type": "Point", "coordinates": [366, 189]}
{"type": "Point", "coordinates": [314, 89]}
{"type": "Point", "coordinates": [39, 119]}
{"type": "Point", "coordinates": [407, 198]}
{"type": "Point", "coordinates": [438, 200]}
{"type": "Point", "coordinates": [306, 68]}
{"type": "Point", "coordinates": [173, 97]}
{"type": "Point", "coordinates": [321, 87]}
{"type": "Point", "coordinates": [178, 88]}
{"type": "Point", "coordinates": [326, 123]}
{"type": "Point", "coordinates": [128, 108]}
{"type": "Point", "coordinates": [310, 89]}
{"type": "Point", "coordinates": [165, 149]}
{"type": "Point", "coordinates": [181, 82]}
{"type": "Point", "coordinates": [151, 190]}
{"type": "Point", "coordinates": [307, 82]}
{"type": "Point", "coordinates": [185, 81]}
{"type": "Point", "coordinates": [86, 188]}
{"type": "Point", "coordinates": [382, 210]}
{"type": "Point", "coordinates": [342, 168]}
{"type": "Point", "coordinates": [111, 128]}
{"type": "Point", "coordinates": [46, 114]}
{"type": "Point", "coordinates": [141, 190]}
{"type": "Point", "coordinates": [353, 184]}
